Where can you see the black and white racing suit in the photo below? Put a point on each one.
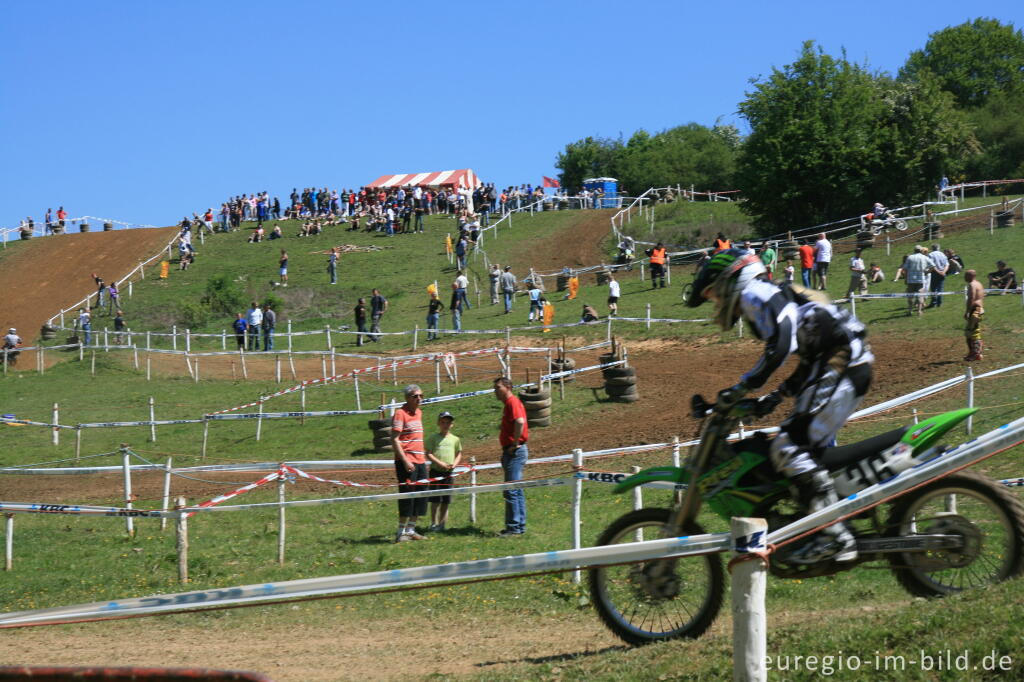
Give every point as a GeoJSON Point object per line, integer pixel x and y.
{"type": "Point", "coordinates": [831, 379]}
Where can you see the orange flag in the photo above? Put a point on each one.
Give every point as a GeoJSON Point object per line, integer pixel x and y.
{"type": "Point", "coordinates": [574, 286]}
{"type": "Point", "coordinates": [549, 314]}
{"type": "Point", "coordinates": [448, 244]}
{"type": "Point", "coordinates": [164, 265]}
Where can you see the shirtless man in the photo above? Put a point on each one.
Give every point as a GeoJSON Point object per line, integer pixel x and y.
{"type": "Point", "coordinates": [974, 313]}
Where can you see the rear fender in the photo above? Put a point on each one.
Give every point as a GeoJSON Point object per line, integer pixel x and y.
{"type": "Point", "coordinates": [926, 433]}
{"type": "Point", "coordinates": [654, 474]}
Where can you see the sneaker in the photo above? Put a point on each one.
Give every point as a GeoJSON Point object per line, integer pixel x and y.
{"type": "Point", "coordinates": [435, 528]}
{"type": "Point", "coordinates": [402, 537]}
{"type": "Point", "coordinates": [508, 533]}
{"type": "Point", "coordinates": [413, 535]}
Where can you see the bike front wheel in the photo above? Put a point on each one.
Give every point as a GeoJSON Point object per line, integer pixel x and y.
{"type": "Point", "coordinates": [687, 290]}
{"type": "Point", "coordinates": [900, 225]}
{"type": "Point", "coordinates": [661, 599]}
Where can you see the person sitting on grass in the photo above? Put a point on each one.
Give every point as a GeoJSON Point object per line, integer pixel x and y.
{"type": "Point", "coordinates": [875, 274]}
{"type": "Point", "coordinates": [444, 450]}
{"type": "Point", "coordinates": [257, 235]}
{"type": "Point", "coordinates": [275, 233]}
{"type": "Point", "coordinates": [589, 314]}
{"type": "Point", "coordinates": [1003, 278]}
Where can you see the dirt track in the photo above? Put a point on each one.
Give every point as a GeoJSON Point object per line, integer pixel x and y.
{"type": "Point", "coordinates": [55, 272]}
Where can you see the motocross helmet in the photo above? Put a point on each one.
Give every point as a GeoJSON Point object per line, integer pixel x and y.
{"type": "Point", "coordinates": [722, 279]}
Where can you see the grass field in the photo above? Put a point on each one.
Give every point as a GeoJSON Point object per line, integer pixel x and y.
{"type": "Point", "coordinates": [62, 560]}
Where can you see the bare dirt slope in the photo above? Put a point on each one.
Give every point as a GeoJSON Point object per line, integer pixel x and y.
{"type": "Point", "coordinates": [48, 274]}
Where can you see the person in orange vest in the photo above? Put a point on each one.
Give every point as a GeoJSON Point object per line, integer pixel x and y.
{"type": "Point", "coordinates": [657, 255]}
{"type": "Point", "coordinates": [722, 243]}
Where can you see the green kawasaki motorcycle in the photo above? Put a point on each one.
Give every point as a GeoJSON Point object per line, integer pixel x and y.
{"type": "Point", "coordinates": [953, 532]}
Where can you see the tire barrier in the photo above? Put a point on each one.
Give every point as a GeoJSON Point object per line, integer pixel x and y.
{"type": "Point", "coordinates": [381, 429]}
{"type": "Point", "coordinates": [537, 402]}
{"type": "Point", "coordinates": [619, 381]}
{"type": "Point", "coordinates": [563, 365]}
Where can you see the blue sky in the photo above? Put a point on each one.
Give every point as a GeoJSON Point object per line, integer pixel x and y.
{"type": "Point", "coordinates": [145, 111]}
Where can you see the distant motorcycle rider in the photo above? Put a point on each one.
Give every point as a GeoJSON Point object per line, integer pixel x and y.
{"type": "Point", "coordinates": [830, 381]}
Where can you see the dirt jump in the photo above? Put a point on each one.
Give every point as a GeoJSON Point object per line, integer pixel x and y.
{"type": "Point", "coordinates": [52, 273]}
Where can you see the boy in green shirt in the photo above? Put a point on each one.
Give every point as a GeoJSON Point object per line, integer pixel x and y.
{"type": "Point", "coordinates": [444, 450]}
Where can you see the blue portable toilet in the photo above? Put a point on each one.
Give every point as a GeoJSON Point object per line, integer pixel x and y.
{"type": "Point", "coordinates": [610, 187]}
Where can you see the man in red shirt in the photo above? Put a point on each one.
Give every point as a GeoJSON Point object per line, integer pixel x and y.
{"type": "Point", "coordinates": [513, 436]}
{"type": "Point", "coordinates": [410, 462]}
{"type": "Point", "coordinates": [806, 262]}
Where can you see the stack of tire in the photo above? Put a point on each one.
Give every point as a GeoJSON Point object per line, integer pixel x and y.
{"type": "Point", "coordinates": [538, 406]}
{"type": "Point", "coordinates": [619, 381]}
{"type": "Point", "coordinates": [381, 434]}
{"type": "Point", "coordinates": [563, 366]}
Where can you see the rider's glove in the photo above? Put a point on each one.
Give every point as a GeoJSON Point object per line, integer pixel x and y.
{"type": "Point", "coordinates": [728, 397]}
{"type": "Point", "coordinates": [767, 403]}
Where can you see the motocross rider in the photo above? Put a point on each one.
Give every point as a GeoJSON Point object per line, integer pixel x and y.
{"type": "Point", "coordinates": [831, 379]}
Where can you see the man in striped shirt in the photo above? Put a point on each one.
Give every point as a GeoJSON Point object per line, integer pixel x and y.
{"type": "Point", "coordinates": [410, 462]}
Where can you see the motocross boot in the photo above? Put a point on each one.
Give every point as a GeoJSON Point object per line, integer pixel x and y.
{"type": "Point", "coordinates": [834, 543]}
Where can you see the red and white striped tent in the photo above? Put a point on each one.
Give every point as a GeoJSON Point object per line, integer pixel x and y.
{"type": "Point", "coordinates": [456, 178]}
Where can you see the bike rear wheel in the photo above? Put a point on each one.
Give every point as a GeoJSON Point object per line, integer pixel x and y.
{"type": "Point", "coordinates": [656, 600]}
{"type": "Point", "coordinates": [988, 518]}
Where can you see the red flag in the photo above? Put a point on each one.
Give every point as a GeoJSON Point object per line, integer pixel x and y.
{"type": "Point", "coordinates": [550, 182]}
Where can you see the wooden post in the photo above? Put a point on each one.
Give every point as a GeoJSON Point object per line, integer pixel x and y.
{"type": "Point", "coordinates": [8, 542]}
{"type": "Point", "coordinates": [638, 495]}
{"type": "Point", "coordinates": [56, 420]}
{"type": "Point", "coordinates": [577, 497]}
{"type": "Point", "coordinates": [259, 420]}
{"type": "Point", "coordinates": [245, 371]}
{"type": "Point", "coordinates": [167, 493]}
{"type": "Point", "coordinates": [280, 518]}
{"type": "Point", "coordinates": [291, 364]}
{"type": "Point", "coordinates": [749, 580]}
{"type": "Point", "coordinates": [126, 467]}
{"type": "Point", "coordinates": [472, 484]}
{"type": "Point", "coordinates": [206, 435]}
{"type": "Point", "coordinates": [152, 418]}
{"type": "Point", "coordinates": [182, 541]}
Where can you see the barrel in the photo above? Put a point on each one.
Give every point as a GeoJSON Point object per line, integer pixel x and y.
{"type": "Point", "coordinates": [865, 239]}
{"type": "Point", "coordinates": [83, 227]}
{"type": "Point", "coordinates": [47, 332]}
{"type": "Point", "coordinates": [107, 227]}
{"type": "Point", "coordinates": [1004, 219]}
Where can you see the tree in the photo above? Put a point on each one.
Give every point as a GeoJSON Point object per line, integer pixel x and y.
{"type": "Point", "coordinates": [997, 125]}
{"type": "Point", "coordinates": [828, 138]}
{"type": "Point", "coordinates": [974, 60]}
{"type": "Point", "coordinates": [588, 158]}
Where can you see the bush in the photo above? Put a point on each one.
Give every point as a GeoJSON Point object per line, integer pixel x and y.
{"type": "Point", "coordinates": [223, 296]}
{"type": "Point", "coordinates": [191, 314]}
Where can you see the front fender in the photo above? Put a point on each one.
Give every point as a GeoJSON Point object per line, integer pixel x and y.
{"type": "Point", "coordinates": [667, 474]}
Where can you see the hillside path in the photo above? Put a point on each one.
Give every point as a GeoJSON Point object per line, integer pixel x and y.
{"type": "Point", "coordinates": [51, 273]}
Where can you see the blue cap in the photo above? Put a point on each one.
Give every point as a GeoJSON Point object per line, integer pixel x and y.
{"type": "Point", "coordinates": [447, 414]}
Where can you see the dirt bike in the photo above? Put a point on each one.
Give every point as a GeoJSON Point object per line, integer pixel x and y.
{"type": "Point", "coordinates": [950, 533]}
{"type": "Point", "coordinates": [885, 222]}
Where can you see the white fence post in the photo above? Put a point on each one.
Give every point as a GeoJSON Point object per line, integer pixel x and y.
{"type": "Point", "coordinates": [472, 484]}
{"type": "Point", "coordinates": [749, 580]}
{"type": "Point", "coordinates": [152, 418]}
{"type": "Point", "coordinates": [259, 420]}
{"type": "Point", "coordinates": [970, 397]}
{"type": "Point", "coordinates": [577, 496]}
{"type": "Point", "coordinates": [126, 466]}
{"type": "Point", "coordinates": [8, 542]}
{"type": "Point", "coordinates": [280, 518]}
{"type": "Point", "coordinates": [56, 420]}
{"type": "Point", "coordinates": [355, 380]}
{"type": "Point", "coordinates": [648, 316]}
{"type": "Point", "coordinates": [167, 492]}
